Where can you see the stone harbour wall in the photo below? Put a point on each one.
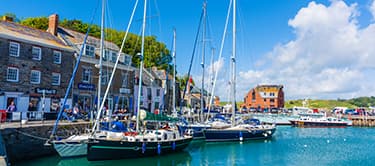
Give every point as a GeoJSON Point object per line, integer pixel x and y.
{"type": "Point", "coordinates": [28, 142]}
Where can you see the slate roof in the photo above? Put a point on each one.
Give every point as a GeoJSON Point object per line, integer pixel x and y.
{"type": "Point", "coordinates": [23, 33]}
{"type": "Point", "coordinates": [74, 38]}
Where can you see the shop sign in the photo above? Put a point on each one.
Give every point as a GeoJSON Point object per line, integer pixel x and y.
{"type": "Point", "coordinates": [45, 91]}
{"type": "Point", "coordinates": [125, 90]}
{"type": "Point", "coordinates": [85, 86]}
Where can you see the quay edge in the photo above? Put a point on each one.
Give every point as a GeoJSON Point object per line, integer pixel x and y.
{"type": "Point", "coordinates": [27, 141]}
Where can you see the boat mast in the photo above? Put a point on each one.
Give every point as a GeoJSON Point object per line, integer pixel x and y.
{"type": "Point", "coordinates": [114, 68]}
{"type": "Point", "coordinates": [233, 60]}
{"type": "Point", "coordinates": [203, 58]}
{"type": "Point", "coordinates": [211, 84]}
{"type": "Point", "coordinates": [220, 51]}
{"type": "Point", "coordinates": [101, 56]}
{"type": "Point", "coordinates": [141, 64]}
{"type": "Point", "coordinates": [174, 74]}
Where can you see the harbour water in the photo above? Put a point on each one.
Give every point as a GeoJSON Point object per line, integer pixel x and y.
{"type": "Point", "coordinates": [289, 146]}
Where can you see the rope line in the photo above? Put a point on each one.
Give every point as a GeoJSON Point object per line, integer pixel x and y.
{"type": "Point", "coordinates": [37, 137]}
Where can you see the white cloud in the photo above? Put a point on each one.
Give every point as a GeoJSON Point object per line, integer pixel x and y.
{"type": "Point", "coordinates": [331, 56]}
{"type": "Point", "coordinates": [372, 9]}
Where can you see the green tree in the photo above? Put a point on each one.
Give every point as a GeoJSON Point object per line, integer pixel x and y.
{"type": "Point", "coordinates": [37, 22]}
{"type": "Point", "coordinates": [182, 81]}
{"type": "Point", "coordinates": [153, 53]}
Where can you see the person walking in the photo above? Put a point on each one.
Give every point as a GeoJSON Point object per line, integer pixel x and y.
{"type": "Point", "coordinates": [12, 107]}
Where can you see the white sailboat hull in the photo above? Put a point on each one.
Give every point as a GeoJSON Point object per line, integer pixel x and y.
{"type": "Point", "coordinates": [71, 149]}
{"type": "Point", "coordinates": [73, 146]}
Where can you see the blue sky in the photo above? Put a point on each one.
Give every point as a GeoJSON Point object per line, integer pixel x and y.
{"type": "Point", "coordinates": [274, 39]}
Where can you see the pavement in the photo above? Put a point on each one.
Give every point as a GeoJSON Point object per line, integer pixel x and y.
{"type": "Point", "coordinates": [5, 125]}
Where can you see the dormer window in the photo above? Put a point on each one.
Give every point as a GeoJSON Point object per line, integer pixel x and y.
{"type": "Point", "coordinates": [36, 53]}
{"type": "Point", "coordinates": [127, 60]}
{"type": "Point", "coordinates": [90, 50]}
{"type": "Point", "coordinates": [106, 55]}
{"type": "Point", "coordinates": [114, 56]}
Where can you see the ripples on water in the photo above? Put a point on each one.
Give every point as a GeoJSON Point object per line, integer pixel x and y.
{"type": "Point", "coordinates": [289, 146]}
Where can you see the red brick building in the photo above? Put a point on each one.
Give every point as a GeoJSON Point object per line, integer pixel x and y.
{"type": "Point", "coordinates": [265, 96]}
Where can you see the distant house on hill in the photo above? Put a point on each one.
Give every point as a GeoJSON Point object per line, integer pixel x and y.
{"type": "Point", "coordinates": [265, 97]}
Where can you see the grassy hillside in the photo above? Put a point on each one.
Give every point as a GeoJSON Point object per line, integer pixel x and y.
{"type": "Point", "coordinates": [324, 104]}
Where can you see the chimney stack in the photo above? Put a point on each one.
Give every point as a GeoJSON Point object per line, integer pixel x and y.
{"type": "Point", "coordinates": [7, 18]}
{"type": "Point", "coordinates": [53, 24]}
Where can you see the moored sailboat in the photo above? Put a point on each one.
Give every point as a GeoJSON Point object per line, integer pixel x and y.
{"type": "Point", "coordinates": [237, 132]}
{"type": "Point", "coordinates": [135, 144]}
{"type": "Point", "coordinates": [76, 145]}
{"type": "Point", "coordinates": [142, 142]}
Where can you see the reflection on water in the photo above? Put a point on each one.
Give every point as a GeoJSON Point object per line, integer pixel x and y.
{"type": "Point", "coordinates": [176, 159]}
{"type": "Point", "coordinates": [289, 146]}
{"type": "Point", "coordinates": [180, 158]}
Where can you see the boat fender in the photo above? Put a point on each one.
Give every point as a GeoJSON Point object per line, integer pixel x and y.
{"type": "Point", "coordinates": [265, 135]}
{"type": "Point", "coordinates": [241, 138]}
{"type": "Point", "coordinates": [159, 149]}
{"type": "Point", "coordinates": [174, 145]}
{"type": "Point", "coordinates": [144, 147]}
{"type": "Point", "coordinates": [129, 133]}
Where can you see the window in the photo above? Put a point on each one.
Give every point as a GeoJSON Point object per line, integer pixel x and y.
{"type": "Point", "coordinates": [37, 53]}
{"type": "Point", "coordinates": [157, 92]}
{"type": "Point", "coordinates": [90, 50]}
{"type": "Point", "coordinates": [106, 55]}
{"type": "Point", "coordinates": [127, 60]}
{"type": "Point", "coordinates": [272, 100]}
{"type": "Point", "coordinates": [125, 80]}
{"type": "Point", "coordinates": [272, 94]}
{"type": "Point", "coordinates": [105, 77]}
{"type": "Point", "coordinates": [253, 95]}
{"type": "Point", "coordinates": [14, 49]}
{"type": "Point", "coordinates": [149, 91]}
{"type": "Point", "coordinates": [35, 77]}
{"type": "Point", "coordinates": [56, 78]}
{"type": "Point", "coordinates": [86, 75]}
{"type": "Point", "coordinates": [265, 100]}
{"type": "Point", "coordinates": [12, 74]}
{"type": "Point", "coordinates": [114, 56]}
{"type": "Point", "coordinates": [57, 57]}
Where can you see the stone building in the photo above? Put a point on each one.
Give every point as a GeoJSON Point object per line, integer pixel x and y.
{"type": "Point", "coordinates": [265, 97]}
{"type": "Point", "coordinates": [152, 93]}
{"type": "Point", "coordinates": [167, 85]}
{"type": "Point", "coordinates": [85, 90]}
{"type": "Point", "coordinates": [35, 67]}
